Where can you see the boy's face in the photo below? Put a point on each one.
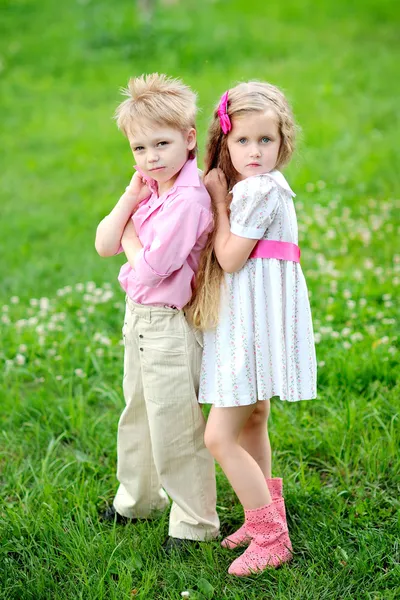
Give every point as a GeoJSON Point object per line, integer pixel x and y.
{"type": "Point", "coordinates": [161, 152]}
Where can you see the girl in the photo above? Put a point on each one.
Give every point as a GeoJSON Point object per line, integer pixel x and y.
{"type": "Point", "coordinates": [252, 291]}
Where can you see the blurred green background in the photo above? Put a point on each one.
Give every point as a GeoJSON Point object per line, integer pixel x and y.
{"type": "Point", "coordinates": [64, 165]}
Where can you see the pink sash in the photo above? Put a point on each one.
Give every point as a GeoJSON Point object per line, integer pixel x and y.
{"type": "Point", "coordinates": [275, 249]}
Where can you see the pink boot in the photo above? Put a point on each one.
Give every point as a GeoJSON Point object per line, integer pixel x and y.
{"type": "Point", "coordinates": [270, 545]}
{"type": "Point", "coordinates": [240, 537]}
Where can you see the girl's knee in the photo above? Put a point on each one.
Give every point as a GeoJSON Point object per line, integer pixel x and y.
{"type": "Point", "coordinates": [214, 442]}
{"type": "Point", "coordinates": [259, 416]}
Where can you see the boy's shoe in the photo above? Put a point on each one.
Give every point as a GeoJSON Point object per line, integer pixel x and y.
{"type": "Point", "coordinates": [110, 514]}
{"type": "Point", "coordinates": [173, 544]}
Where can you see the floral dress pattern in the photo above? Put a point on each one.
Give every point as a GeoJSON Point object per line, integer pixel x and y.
{"type": "Point", "coordinates": [263, 345]}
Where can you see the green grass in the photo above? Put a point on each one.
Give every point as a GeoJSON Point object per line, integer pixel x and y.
{"type": "Point", "coordinates": [63, 166]}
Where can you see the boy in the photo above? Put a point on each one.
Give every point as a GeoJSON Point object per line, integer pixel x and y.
{"type": "Point", "coordinates": [160, 432]}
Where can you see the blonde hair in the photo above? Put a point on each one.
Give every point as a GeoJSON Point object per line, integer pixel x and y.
{"type": "Point", "coordinates": [156, 99]}
{"type": "Point", "coordinates": [244, 98]}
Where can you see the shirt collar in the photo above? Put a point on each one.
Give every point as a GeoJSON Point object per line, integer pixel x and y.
{"type": "Point", "coordinates": [188, 177]}
{"type": "Point", "coordinates": [280, 180]}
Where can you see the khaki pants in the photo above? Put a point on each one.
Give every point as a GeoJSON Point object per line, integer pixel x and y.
{"type": "Point", "coordinates": [161, 430]}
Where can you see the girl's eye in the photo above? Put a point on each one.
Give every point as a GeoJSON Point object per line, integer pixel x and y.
{"type": "Point", "coordinates": [265, 140]}
{"type": "Point", "coordinates": [242, 141]}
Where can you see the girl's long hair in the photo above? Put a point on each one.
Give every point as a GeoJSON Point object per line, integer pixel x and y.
{"type": "Point", "coordinates": [253, 96]}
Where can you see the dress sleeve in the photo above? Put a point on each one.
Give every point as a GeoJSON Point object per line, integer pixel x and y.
{"type": "Point", "coordinates": [253, 207]}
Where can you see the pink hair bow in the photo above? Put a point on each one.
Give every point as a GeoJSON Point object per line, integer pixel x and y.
{"type": "Point", "coordinates": [224, 119]}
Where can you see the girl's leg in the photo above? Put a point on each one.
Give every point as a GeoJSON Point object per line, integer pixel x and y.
{"type": "Point", "coordinates": [254, 437]}
{"type": "Point", "coordinates": [223, 430]}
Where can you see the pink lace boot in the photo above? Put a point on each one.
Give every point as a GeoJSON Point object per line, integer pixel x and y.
{"type": "Point", "coordinates": [270, 544]}
{"type": "Point", "coordinates": [240, 537]}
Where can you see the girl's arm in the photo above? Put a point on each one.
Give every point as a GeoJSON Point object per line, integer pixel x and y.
{"type": "Point", "coordinates": [110, 229]}
{"type": "Point", "coordinates": [232, 251]}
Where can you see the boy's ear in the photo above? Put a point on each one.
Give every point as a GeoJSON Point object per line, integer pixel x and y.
{"type": "Point", "coordinates": [191, 139]}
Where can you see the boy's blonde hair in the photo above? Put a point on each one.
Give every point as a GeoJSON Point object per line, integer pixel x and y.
{"type": "Point", "coordinates": [253, 96]}
{"type": "Point", "coordinates": [156, 99]}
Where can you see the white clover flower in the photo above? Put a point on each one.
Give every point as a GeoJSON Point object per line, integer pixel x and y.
{"type": "Point", "coordinates": [347, 294]}
{"type": "Point", "coordinates": [368, 264]}
{"type": "Point", "coordinates": [396, 281]}
{"type": "Point", "coordinates": [82, 320]}
{"type": "Point", "coordinates": [371, 329]}
{"type": "Point", "coordinates": [396, 258]}
{"type": "Point", "coordinates": [392, 350]}
{"type": "Point", "coordinates": [23, 348]}
{"type": "Point", "coordinates": [67, 289]}
{"type": "Point", "coordinates": [384, 340]}
{"type": "Point", "coordinates": [346, 345]}
{"type": "Point", "coordinates": [80, 373]}
{"type": "Point", "coordinates": [356, 337]}
{"type": "Point", "coordinates": [107, 285]}
{"type": "Point", "coordinates": [34, 302]}
{"type": "Point", "coordinates": [321, 184]}
{"type": "Point", "coordinates": [44, 303]}
{"type": "Point", "coordinates": [20, 359]}
{"type": "Point", "coordinates": [317, 337]}
{"type": "Point", "coordinates": [362, 301]}
{"type": "Point", "coordinates": [5, 319]}
{"type": "Point", "coordinates": [90, 286]}
{"type": "Point", "coordinates": [325, 330]}
{"type": "Point", "coordinates": [14, 299]}
{"type": "Point", "coordinates": [185, 594]}
{"type": "Point", "coordinates": [310, 187]}
{"type": "Point", "coordinates": [379, 315]}
{"type": "Point", "coordinates": [58, 357]}
{"type": "Point", "coordinates": [41, 340]}
{"type": "Point", "coordinates": [346, 331]}
{"type": "Point", "coordinates": [87, 298]}
{"type": "Point", "coordinates": [335, 335]}
{"type": "Point", "coordinates": [21, 323]}
{"type": "Point", "coordinates": [39, 380]}
{"type": "Point", "coordinates": [387, 297]}
{"type": "Point", "coordinates": [59, 377]}
{"type": "Point", "coordinates": [51, 352]}
{"type": "Point", "coordinates": [90, 309]}
{"type": "Point", "coordinates": [329, 317]}
{"type": "Point", "coordinates": [330, 300]}
{"type": "Point", "coordinates": [79, 287]}
{"type": "Point", "coordinates": [100, 352]}
{"type": "Point", "coordinates": [60, 292]}
{"type": "Point", "coordinates": [5, 308]}
{"type": "Point", "coordinates": [388, 303]}
{"type": "Point", "coordinates": [9, 363]}
{"type": "Point", "coordinates": [350, 304]}
{"type": "Point", "coordinates": [388, 321]}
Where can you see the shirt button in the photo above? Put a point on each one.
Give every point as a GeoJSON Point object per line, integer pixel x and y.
{"type": "Point", "coordinates": [140, 336]}
{"type": "Point", "coordinates": [141, 349]}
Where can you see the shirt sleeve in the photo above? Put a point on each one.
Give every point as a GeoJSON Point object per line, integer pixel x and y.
{"type": "Point", "coordinates": [254, 206]}
{"type": "Point", "coordinates": [177, 230]}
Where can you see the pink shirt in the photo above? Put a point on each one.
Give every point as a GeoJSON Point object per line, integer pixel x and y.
{"type": "Point", "coordinates": [173, 230]}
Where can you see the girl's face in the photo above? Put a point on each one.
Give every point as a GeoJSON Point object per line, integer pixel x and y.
{"type": "Point", "coordinates": [161, 152]}
{"type": "Point", "coordinates": [254, 142]}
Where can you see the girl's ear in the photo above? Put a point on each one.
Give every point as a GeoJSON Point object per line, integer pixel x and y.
{"type": "Point", "coordinates": [191, 139]}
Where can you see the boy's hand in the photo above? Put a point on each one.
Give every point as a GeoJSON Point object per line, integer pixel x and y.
{"type": "Point", "coordinates": [215, 182]}
{"type": "Point", "coordinates": [137, 189]}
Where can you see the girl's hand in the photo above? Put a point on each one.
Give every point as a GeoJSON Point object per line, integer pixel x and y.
{"type": "Point", "coordinates": [215, 182]}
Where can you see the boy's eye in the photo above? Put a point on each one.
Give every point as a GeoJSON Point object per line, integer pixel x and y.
{"type": "Point", "coordinates": [138, 148]}
{"type": "Point", "coordinates": [162, 144]}
{"type": "Point", "coordinates": [265, 140]}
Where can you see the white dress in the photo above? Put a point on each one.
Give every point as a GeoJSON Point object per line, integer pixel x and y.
{"type": "Point", "coordinates": [263, 345]}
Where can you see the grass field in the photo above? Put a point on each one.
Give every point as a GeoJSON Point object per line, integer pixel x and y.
{"type": "Point", "coordinates": [64, 165]}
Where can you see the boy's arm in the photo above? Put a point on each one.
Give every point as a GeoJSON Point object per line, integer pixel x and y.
{"type": "Point", "coordinates": [131, 243]}
{"type": "Point", "coordinates": [110, 229]}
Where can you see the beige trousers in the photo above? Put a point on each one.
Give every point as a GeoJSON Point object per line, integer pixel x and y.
{"type": "Point", "coordinates": [161, 431]}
